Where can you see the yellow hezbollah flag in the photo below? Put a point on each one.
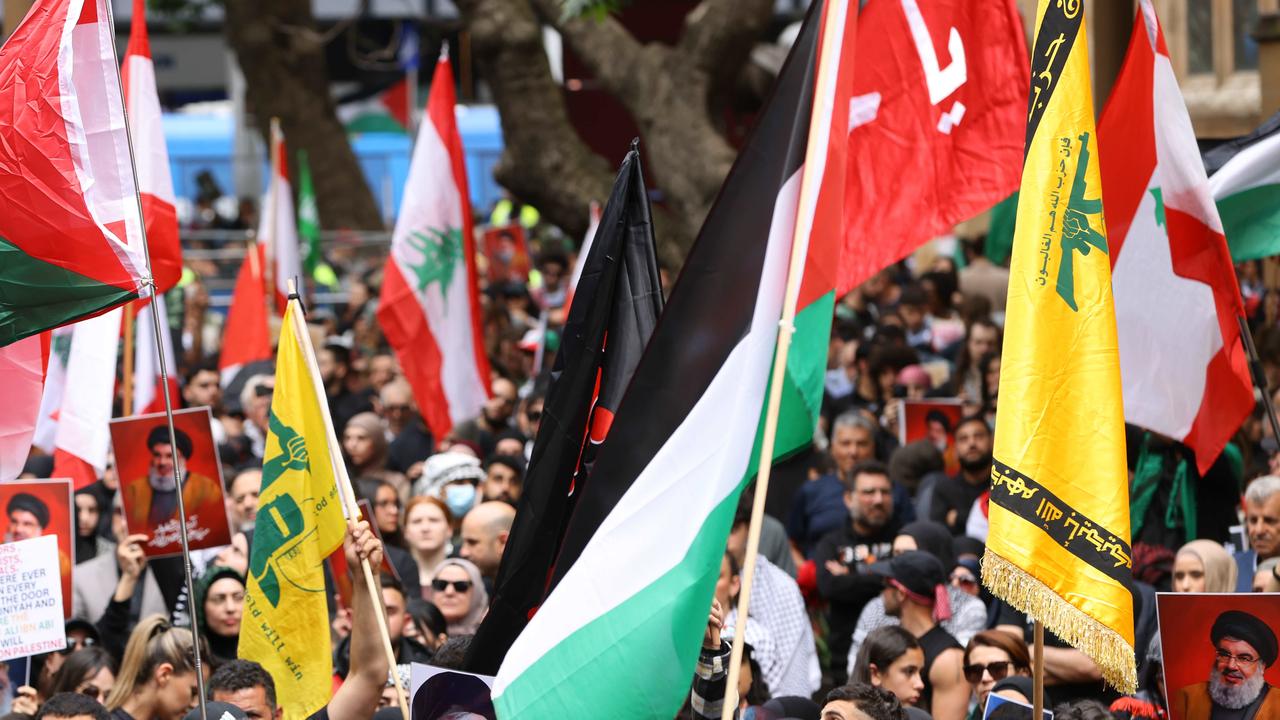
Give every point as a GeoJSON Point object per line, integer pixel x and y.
{"type": "Point", "coordinates": [1058, 548]}
{"type": "Point", "coordinates": [300, 522]}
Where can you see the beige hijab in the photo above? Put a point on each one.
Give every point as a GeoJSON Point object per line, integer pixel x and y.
{"type": "Point", "coordinates": [1219, 566]}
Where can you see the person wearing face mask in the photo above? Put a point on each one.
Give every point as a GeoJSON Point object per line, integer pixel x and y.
{"type": "Point", "coordinates": [452, 477]}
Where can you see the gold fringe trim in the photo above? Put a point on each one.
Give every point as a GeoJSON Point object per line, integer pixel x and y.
{"type": "Point", "coordinates": [1103, 645]}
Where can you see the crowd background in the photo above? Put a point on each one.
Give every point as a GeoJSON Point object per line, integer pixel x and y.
{"type": "Point", "coordinates": [869, 568]}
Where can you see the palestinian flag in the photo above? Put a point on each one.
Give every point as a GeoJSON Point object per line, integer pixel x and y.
{"type": "Point", "coordinates": [1058, 548]}
{"type": "Point", "coordinates": [619, 633]}
{"type": "Point", "coordinates": [1245, 181]}
{"type": "Point", "coordinates": [155, 185]}
{"type": "Point", "coordinates": [430, 304]}
{"type": "Point", "coordinates": [1178, 306]}
{"type": "Point", "coordinates": [620, 299]}
{"type": "Point", "coordinates": [70, 232]}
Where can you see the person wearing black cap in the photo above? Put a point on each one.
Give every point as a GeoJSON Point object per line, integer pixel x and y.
{"type": "Point", "coordinates": [152, 500]}
{"type": "Point", "coordinates": [915, 592]}
{"type": "Point", "coordinates": [1244, 647]}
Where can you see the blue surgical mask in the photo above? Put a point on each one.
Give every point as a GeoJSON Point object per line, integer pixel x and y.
{"type": "Point", "coordinates": [460, 497]}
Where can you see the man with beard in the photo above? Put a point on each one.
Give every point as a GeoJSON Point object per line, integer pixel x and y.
{"type": "Point", "coordinates": [1236, 690]}
{"type": "Point", "coordinates": [843, 555]}
{"type": "Point", "coordinates": [954, 496]}
{"type": "Point", "coordinates": [152, 500]}
{"type": "Point", "coordinates": [503, 479]}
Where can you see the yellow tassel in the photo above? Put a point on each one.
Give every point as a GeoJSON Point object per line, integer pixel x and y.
{"type": "Point", "coordinates": [1104, 646]}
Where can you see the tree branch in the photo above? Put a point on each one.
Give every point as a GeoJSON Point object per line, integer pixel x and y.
{"type": "Point", "coordinates": [718, 34]}
{"type": "Point", "coordinates": [615, 58]}
{"type": "Point", "coordinates": [543, 161]}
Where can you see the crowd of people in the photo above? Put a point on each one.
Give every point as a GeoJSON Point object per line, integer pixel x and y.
{"type": "Point", "coordinates": [867, 599]}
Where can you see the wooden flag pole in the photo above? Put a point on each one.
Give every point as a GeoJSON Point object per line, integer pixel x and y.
{"type": "Point", "coordinates": [1037, 679]}
{"type": "Point", "coordinates": [345, 490]}
{"type": "Point", "coordinates": [127, 405]}
{"type": "Point", "coordinates": [150, 283]}
{"type": "Point", "coordinates": [810, 183]}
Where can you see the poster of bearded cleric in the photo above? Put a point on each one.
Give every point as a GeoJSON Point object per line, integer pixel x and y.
{"type": "Point", "coordinates": [33, 508]}
{"type": "Point", "coordinates": [1219, 655]}
{"type": "Point", "coordinates": [144, 462]}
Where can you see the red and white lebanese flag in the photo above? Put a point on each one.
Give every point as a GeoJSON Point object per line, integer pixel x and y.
{"type": "Point", "coordinates": [55, 384]}
{"type": "Point", "coordinates": [246, 336]}
{"type": "Point", "coordinates": [278, 228]}
{"type": "Point", "coordinates": [22, 365]}
{"type": "Point", "coordinates": [148, 391]}
{"type": "Point", "coordinates": [70, 230]}
{"type": "Point", "coordinates": [83, 439]}
{"type": "Point", "coordinates": [155, 184]}
{"type": "Point", "coordinates": [936, 124]}
{"type": "Point", "coordinates": [1182, 363]}
{"type": "Point", "coordinates": [430, 304]}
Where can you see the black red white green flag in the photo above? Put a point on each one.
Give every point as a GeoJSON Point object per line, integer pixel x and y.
{"type": "Point", "coordinates": [619, 632]}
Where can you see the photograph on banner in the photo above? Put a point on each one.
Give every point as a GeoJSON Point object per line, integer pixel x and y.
{"type": "Point", "coordinates": [932, 420]}
{"type": "Point", "coordinates": [144, 462]}
{"type": "Point", "coordinates": [338, 561]}
{"type": "Point", "coordinates": [1005, 708]}
{"type": "Point", "coordinates": [440, 694]}
{"type": "Point", "coordinates": [35, 508]}
{"type": "Point", "coordinates": [31, 593]}
{"type": "Point", "coordinates": [1219, 654]}
{"type": "Point", "coordinates": [507, 254]}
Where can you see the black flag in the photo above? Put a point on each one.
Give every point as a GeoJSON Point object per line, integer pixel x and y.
{"type": "Point", "coordinates": [614, 310]}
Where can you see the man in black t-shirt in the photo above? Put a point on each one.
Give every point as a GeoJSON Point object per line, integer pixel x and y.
{"type": "Point", "coordinates": [954, 496]}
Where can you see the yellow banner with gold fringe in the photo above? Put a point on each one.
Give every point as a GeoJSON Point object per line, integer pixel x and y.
{"type": "Point", "coordinates": [1058, 548]}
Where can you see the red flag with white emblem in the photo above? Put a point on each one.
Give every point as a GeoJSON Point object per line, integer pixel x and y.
{"type": "Point", "coordinates": [936, 123]}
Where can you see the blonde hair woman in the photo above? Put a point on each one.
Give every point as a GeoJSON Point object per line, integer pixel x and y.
{"type": "Point", "coordinates": [157, 679]}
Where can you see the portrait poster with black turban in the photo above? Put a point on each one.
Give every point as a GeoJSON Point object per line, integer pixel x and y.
{"type": "Point", "coordinates": [1219, 655]}
{"type": "Point", "coordinates": [34, 508]}
{"type": "Point", "coordinates": [145, 458]}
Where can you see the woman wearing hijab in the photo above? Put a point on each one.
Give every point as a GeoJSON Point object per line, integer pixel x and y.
{"type": "Point", "coordinates": [458, 591]}
{"type": "Point", "coordinates": [968, 613]}
{"type": "Point", "coordinates": [220, 608]}
{"type": "Point", "coordinates": [1204, 566]}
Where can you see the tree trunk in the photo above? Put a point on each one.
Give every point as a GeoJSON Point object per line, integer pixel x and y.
{"type": "Point", "coordinates": [543, 161]}
{"type": "Point", "coordinates": [282, 58]}
{"type": "Point", "coordinates": [668, 90]}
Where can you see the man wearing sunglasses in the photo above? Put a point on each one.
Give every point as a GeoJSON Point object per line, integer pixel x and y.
{"type": "Point", "coordinates": [1244, 647]}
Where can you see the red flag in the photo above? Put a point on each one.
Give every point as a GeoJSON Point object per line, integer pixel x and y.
{"type": "Point", "coordinates": [1182, 363]}
{"type": "Point", "coordinates": [246, 337]}
{"type": "Point", "coordinates": [155, 185]}
{"type": "Point", "coordinates": [936, 124]}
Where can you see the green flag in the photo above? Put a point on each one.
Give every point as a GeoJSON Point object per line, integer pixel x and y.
{"type": "Point", "coordinates": [308, 218]}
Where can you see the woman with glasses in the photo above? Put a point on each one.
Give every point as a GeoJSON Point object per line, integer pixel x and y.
{"type": "Point", "coordinates": [891, 658]}
{"type": "Point", "coordinates": [459, 593]}
{"type": "Point", "coordinates": [991, 656]}
{"type": "Point", "coordinates": [89, 671]}
{"type": "Point", "coordinates": [428, 535]}
{"type": "Point", "coordinates": [157, 679]}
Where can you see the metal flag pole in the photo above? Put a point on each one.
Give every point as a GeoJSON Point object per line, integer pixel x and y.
{"type": "Point", "coordinates": [809, 186]}
{"type": "Point", "coordinates": [344, 488]}
{"type": "Point", "coordinates": [149, 282]}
